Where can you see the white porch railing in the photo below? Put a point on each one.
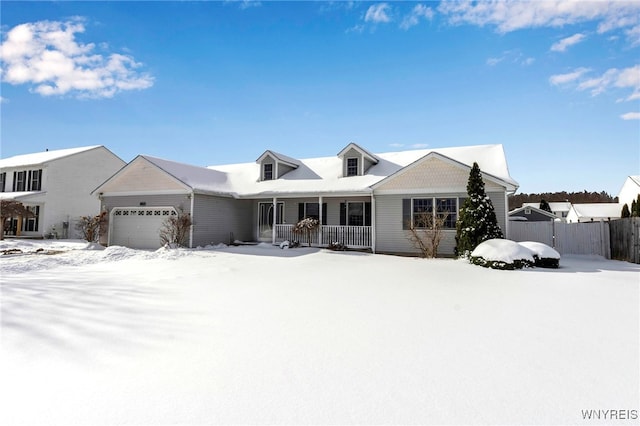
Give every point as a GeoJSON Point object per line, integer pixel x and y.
{"type": "Point", "coordinates": [350, 236]}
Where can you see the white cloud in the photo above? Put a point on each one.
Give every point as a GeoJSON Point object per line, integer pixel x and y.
{"type": "Point", "coordinates": [420, 11]}
{"type": "Point", "coordinates": [47, 55]}
{"type": "Point", "coordinates": [377, 13]}
{"type": "Point", "coordinates": [511, 56]}
{"type": "Point", "coordinates": [627, 78]}
{"type": "Point", "coordinates": [420, 145]}
{"type": "Point", "coordinates": [565, 43]}
{"type": "Point", "coordinates": [568, 77]}
{"type": "Point", "coordinates": [509, 16]}
{"type": "Point", "coordinates": [631, 116]}
{"type": "Point", "coordinates": [396, 145]}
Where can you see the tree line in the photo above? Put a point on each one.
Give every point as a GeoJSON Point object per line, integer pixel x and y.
{"type": "Point", "coordinates": [516, 201]}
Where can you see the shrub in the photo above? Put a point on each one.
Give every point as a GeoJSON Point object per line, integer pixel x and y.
{"type": "Point", "coordinates": [175, 230]}
{"type": "Point", "coordinates": [93, 227]}
{"type": "Point", "coordinates": [306, 227]}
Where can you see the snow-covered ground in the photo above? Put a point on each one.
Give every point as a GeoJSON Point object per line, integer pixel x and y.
{"type": "Point", "coordinates": [305, 336]}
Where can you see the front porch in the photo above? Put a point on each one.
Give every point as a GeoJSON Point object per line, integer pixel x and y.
{"type": "Point", "coordinates": [358, 237]}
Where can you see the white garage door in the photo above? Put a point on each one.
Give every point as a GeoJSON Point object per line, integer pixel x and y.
{"type": "Point", "coordinates": [138, 227]}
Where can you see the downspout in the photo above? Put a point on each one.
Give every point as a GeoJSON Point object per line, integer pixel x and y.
{"type": "Point", "coordinates": [192, 196]}
{"type": "Point", "coordinates": [506, 215]}
{"type": "Point", "coordinates": [373, 223]}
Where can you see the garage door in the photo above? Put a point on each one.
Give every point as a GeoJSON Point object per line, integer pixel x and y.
{"type": "Point", "coordinates": [138, 227]}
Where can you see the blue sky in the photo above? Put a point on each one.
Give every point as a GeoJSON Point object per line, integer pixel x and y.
{"type": "Point", "coordinates": [557, 83]}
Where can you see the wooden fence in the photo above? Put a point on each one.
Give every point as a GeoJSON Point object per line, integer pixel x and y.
{"type": "Point", "coordinates": [625, 239]}
{"type": "Point", "coordinates": [565, 238]}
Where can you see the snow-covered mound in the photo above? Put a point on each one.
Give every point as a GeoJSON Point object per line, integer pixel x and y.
{"type": "Point", "coordinates": [502, 254]}
{"type": "Point", "coordinates": [545, 256]}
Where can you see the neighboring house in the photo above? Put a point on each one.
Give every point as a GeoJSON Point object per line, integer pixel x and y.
{"type": "Point", "coordinates": [559, 208]}
{"type": "Point", "coordinates": [531, 214]}
{"type": "Point", "coordinates": [363, 200]}
{"type": "Point", "coordinates": [629, 191]}
{"type": "Point", "coordinates": [594, 212]}
{"type": "Point", "coordinates": [56, 187]}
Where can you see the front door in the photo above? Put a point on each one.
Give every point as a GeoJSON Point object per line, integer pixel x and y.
{"type": "Point", "coordinates": [265, 219]}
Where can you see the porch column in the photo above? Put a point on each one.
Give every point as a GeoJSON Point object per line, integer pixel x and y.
{"type": "Point", "coordinates": [373, 223]}
{"type": "Point", "coordinates": [320, 218]}
{"type": "Point", "coordinates": [275, 220]}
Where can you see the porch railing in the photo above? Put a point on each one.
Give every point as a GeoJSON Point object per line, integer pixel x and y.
{"type": "Point", "coordinates": [350, 236]}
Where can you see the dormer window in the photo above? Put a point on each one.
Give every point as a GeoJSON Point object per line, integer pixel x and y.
{"type": "Point", "coordinates": [273, 165]}
{"type": "Point", "coordinates": [352, 167]}
{"type": "Point", "coordinates": [356, 161]}
{"type": "Point", "coordinates": [268, 172]}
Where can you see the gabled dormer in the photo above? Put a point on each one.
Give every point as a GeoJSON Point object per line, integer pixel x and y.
{"type": "Point", "coordinates": [356, 160]}
{"type": "Point", "coordinates": [274, 166]}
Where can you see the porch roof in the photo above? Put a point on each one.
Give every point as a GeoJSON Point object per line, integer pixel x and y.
{"type": "Point", "coordinates": [33, 196]}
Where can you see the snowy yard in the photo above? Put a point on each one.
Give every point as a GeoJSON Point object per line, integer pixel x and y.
{"type": "Point", "coordinates": [305, 336]}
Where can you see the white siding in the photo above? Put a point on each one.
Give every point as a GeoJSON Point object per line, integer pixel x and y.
{"type": "Point", "coordinates": [391, 238]}
{"type": "Point", "coordinates": [68, 183]}
{"type": "Point", "coordinates": [216, 218]}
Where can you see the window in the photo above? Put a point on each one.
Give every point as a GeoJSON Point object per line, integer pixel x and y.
{"type": "Point", "coordinates": [420, 212]}
{"type": "Point", "coordinates": [19, 181]}
{"type": "Point", "coordinates": [31, 223]}
{"type": "Point", "coordinates": [268, 172]}
{"type": "Point", "coordinates": [3, 180]}
{"type": "Point", "coordinates": [35, 180]}
{"type": "Point", "coordinates": [447, 210]}
{"type": "Point", "coordinates": [355, 213]}
{"type": "Point", "coordinates": [312, 210]}
{"type": "Point", "coordinates": [422, 209]}
{"type": "Point", "coordinates": [352, 167]}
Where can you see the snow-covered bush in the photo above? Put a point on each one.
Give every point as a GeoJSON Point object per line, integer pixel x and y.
{"type": "Point", "coordinates": [306, 227]}
{"type": "Point", "coordinates": [543, 255]}
{"type": "Point", "coordinates": [477, 221]}
{"type": "Point", "coordinates": [502, 254]}
{"type": "Point", "coordinates": [336, 246]}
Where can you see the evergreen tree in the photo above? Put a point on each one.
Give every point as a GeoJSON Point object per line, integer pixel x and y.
{"type": "Point", "coordinates": [634, 208]}
{"type": "Point", "coordinates": [636, 211]}
{"type": "Point", "coordinates": [545, 206]}
{"type": "Point", "coordinates": [477, 221]}
{"type": "Point", "coordinates": [625, 211]}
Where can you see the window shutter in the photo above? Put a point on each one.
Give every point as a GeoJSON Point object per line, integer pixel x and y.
{"type": "Point", "coordinates": [324, 213]}
{"type": "Point", "coordinates": [343, 214]}
{"type": "Point", "coordinates": [14, 181]}
{"type": "Point", "coordinates": [367, 214]}
{"type": "Point", "coordinates": [406, 213]}
{"type": "Point", "coordinates": [29, 182]}
{"type": "Point", "coordinates": [300, 211]}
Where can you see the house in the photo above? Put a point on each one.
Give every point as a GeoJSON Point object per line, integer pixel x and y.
{"type": "Point", "coordinates": [559, 208]}
{"type": "Point", "coordinates": [531, 214]}
{"type": "Point", "coordinates": [594, 212]}
{"type": "Point", "coordinates": [363, 200]}
{"type": "Point", "coordinates": [56, 187]}
{"type": "Point", "coordinates": [630, 191]}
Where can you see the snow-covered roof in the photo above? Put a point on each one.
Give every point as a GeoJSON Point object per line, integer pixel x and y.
{"type": "Point", "coordinates": [196, 177]}
{"type": "Point", "coordinates": [556, 206]}
{"type": "Point", "coordinates": [597, 210]}
{"type": "Point", "coordinates": [324, 175]}
{"type": "Point", "coordinates": [22, 195]}
{"type": "Point", "coordinates": [42, 157]}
